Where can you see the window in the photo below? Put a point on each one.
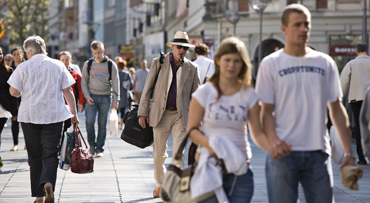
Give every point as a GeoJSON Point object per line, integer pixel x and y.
{"type": "Point", "coordinates": [68, 3]}
{"type": "Point", "coordinates": [321, 4]}
{"type": "Point", "coordinates": [291, 2]}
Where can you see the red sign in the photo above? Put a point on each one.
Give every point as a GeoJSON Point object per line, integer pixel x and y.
{"type": "Point", "coordinates": [343, 50]}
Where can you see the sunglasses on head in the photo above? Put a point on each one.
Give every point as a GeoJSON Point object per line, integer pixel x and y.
{"type": "Point", "coordinates": [179, 47]}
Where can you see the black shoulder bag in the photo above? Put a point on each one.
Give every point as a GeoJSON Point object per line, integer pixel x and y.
{"type": "Point", "coordinates": [133, 133]}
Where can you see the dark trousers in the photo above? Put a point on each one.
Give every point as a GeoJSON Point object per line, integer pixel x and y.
{"type": "Point", "coordinates": [2, 123]}
{"type": "Point", "coordinates": [42, 142]}
{"type": "Point", "coordinates": [356, 108]}
{"type": "Point", "coordinates": [15, 131]}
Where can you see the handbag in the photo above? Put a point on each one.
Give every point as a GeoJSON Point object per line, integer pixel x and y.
{"type": "Point", "coordinates": [133, 133]}
{"type": "Point", "coordinates": [176, 183]}
{"type": "Point", "coordinates": [81, 158]}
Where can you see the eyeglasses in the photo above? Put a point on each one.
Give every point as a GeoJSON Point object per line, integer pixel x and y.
{"type": "Point", "coordinates": [8, 59]}
{"type": "Point", "coordinates": [179, 47]}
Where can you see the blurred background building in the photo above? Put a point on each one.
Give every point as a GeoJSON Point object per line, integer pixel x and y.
{"type": "Point", "coordinates": [139, 29]}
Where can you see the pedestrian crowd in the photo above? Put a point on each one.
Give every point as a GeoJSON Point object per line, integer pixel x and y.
{"type": "Point", "coordinates": [214, 102]}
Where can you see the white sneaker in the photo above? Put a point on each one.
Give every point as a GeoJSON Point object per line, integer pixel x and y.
{"type": "Point", "coordinates": [100, 154]}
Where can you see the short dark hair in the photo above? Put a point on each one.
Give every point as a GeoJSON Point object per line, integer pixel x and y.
{"type": "Point", "coordinates": [296, 8]}
{"type": "Point", "coordinates": [361, 48]}
{"type": "Point", "coordinates": [201, 49]}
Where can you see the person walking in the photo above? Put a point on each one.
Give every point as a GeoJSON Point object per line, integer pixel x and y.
{"type": "Point", "coordinates": [8, 59]}
{"type": "Point", "coordinates": [178, 78]}
{"type": "Point", "coordinates": [296, 86]}
{"type": "Point", "coordinates": [355, 79]}
{"type": "Point", "coordinates": [18, 58]}
{"type": "Point", "coordinates": [139, 80]}
{"type": "Point", "coordinates": [8, 104]}
{"type": "Point", "coordinates": [222, 107]}
{"type": "Point", "coordinates": [42, 82]}
{"type": "Point", "coordinates": [125, 86]}
{"type": "Point", "coordinates": [97, 82]}
{"type": "Point", "coordinates": [206, 65]}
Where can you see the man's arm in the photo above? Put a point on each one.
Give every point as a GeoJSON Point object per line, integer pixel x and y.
{"type": "Point", "coordinates": [115, 86]}
{"type": "Point", "coordinates": [345, 77]}
{"type": "Point", "coordinates": [339, 118]}
{"type": "Point", "coordinates": [14, 92]}
{"type": "Point", "coordinates": [278, 147]}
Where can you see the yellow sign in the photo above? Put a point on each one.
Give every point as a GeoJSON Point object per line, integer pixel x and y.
{"type": "Point", "coordinates": [123, 49]}
{"type": "Point", "coordinates": [2, 30]}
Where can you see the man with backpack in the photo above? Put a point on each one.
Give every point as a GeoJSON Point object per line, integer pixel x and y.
{"type": "Point", "coordinates": [99, 76]}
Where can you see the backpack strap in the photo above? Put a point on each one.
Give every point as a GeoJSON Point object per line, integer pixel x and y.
{"type": "Point", "coordinates": [89, 63]}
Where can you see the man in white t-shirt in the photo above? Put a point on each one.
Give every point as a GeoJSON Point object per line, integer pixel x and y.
{"type": "Point", "coordinates": [139, 80]}
{"type": "Point", "coordinates": [206, 65]}
{"type": "Point", "coordinates": [296, 85]}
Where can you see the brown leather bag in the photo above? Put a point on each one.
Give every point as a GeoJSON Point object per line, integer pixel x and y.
{"type": "Point", "coordinates": [81, 158]}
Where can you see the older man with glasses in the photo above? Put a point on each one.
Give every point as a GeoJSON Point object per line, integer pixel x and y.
{"type": "Point", "coordinates": [178, 78]}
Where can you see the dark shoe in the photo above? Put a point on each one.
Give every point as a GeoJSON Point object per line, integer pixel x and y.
{"type": "Point", "coordinates": [362, 163]}
{"type": "Point", "coordinates": [156, 192]}
{"type": "Point", "coordinates": [49, 198]}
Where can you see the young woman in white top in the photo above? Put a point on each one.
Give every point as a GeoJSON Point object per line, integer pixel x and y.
{"type": "Point", "coordinates": [224, 105]}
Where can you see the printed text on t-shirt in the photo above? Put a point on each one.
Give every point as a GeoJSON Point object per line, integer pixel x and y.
{"type": "Point", "coordinates": [301, 69]}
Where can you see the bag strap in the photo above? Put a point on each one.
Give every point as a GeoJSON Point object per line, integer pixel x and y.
{"type": "Point", "coordinates": [156, 76]}
{"type": "Point", "coordinates": [77, 133]}
{"type": "Point", "coordinates": [178, 154]}
{"type": "Point", "coordinates": [205, 77]}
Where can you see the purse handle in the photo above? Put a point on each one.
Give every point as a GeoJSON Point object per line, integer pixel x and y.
{"type": "Point", "coordinates": [77, 132]}
{"type": "Point", "coordinates": [178, 154]}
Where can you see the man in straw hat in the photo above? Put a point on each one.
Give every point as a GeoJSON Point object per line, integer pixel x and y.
{"type": "Point", "coordinates": [177, 79]}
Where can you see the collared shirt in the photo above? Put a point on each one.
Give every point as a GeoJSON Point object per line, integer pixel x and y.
{"type": "Point", "coordinates": [41, 81]}
{"type": "Point", "coordinates": [172, 93]}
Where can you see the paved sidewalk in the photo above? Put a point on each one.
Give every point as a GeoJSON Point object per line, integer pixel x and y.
{"type": "Point", "coordinates": [125, 174]}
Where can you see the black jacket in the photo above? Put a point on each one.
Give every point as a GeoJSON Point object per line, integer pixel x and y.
{"type": "Point", "coordinates": [7, 101]}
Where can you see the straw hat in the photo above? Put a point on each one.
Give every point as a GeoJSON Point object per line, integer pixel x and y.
{"type": "Point", "coordinates": [181, 38]}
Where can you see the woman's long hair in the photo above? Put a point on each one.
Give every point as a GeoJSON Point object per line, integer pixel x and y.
{"type": "Point", "coordinates": [4, 67]}
{"type": "Point", "coordinates": [232, 45]}
{"type": "Point", "coordinates": [20, 52]}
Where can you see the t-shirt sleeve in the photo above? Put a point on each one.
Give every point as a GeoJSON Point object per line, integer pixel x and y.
{"type": "Point", "coordinates": [334, 89]}
{"type": "Point", "coordinates": [265, 83]}
{"type": "Point", "coordinates": [67, 79]}
{"type": "Point", "coordinates": [252, 97]}
{"type": "Point", "coordinates": [200, 95]}
{"type": "Point", "coordinates": [16, 80]}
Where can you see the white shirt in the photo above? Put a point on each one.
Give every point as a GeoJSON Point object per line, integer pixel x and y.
{"type": "Point", "coordinates": [226, 117]}
{"type": "Point", "coordinates": [206, 67]}
{"type": "Point", "coordinates": [300, 89]}
{"type": "Point", "coordinates": [41, 81]}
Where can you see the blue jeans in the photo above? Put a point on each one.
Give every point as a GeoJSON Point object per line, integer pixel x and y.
{"type": "Point", "coordinates": [237, 188]}
{"type": "Point", "coordinates": [101, 106]}
{"type": "Point", "coordinates": [310, 168]}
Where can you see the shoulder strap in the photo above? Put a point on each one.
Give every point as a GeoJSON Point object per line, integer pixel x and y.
{"type": "Point", "coordinates": [205, 77]}
{"type": "Point", "coordinates": [110, 69]}
{"type": "Point", "coordinates": [156, 76]}
{"type": "Point", "coordinates": [89, 63]}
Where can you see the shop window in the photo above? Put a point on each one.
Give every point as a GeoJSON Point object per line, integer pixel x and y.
{"type": "Point", "coordinates": [343, 48]}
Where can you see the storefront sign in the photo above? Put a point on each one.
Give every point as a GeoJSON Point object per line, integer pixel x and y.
{"type": "Point", "coordinates": [343, 50]}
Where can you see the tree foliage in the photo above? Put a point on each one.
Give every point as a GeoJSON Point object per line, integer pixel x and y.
{"type": "Point", "coordinates": [26, 18]}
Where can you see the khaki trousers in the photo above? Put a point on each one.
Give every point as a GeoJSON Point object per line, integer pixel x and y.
{"type": "Point", "coordinates": [171, 122]}
{"type": "Point", "coordinates": [137, 97]}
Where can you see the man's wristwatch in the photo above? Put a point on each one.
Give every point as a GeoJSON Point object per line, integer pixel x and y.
{"type": "Point", "coordinates": [349, 154]}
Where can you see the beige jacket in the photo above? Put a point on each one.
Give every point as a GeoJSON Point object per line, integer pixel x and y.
{"type": "Point", "coordinates": [355, 76]}
{"type": "Point", "coordinates": [187, 83]}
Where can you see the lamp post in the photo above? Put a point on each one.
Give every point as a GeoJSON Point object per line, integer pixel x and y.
{"type": "Point", "coordinates": [259, 5]}
{"type": "Point", "coordinates": [231, 14]}
{"type": "Point", "coordinates": [364, 23]}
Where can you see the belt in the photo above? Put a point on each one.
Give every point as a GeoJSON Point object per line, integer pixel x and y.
{"type": "Point", "coordinates": [171, 108]}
